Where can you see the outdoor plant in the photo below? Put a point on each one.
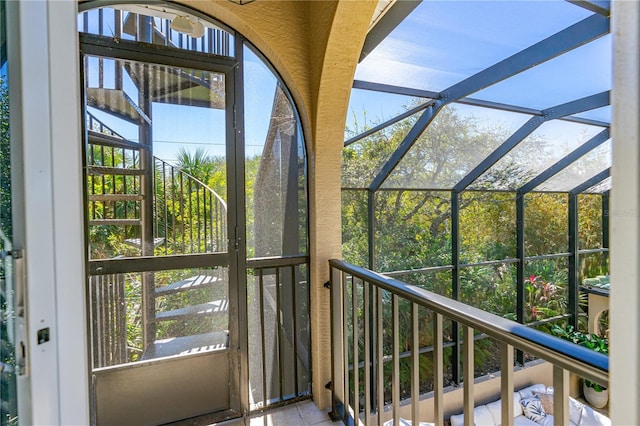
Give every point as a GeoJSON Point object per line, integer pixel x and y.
{"type": "Point", "coordinates": [545, 299]}
{"type": "Point", "coordinates": [588, 340]}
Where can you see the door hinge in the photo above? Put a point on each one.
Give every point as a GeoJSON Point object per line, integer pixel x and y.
{"type": "Point", "coordinates": [16, 254]}
{"type": "Point", "coordinates": [235, 120]}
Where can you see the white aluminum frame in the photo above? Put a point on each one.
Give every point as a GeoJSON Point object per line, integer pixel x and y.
{"type": "Point", "coordinates": [624, 301]}
{"type": "Point", "coordinates": [47, 184]}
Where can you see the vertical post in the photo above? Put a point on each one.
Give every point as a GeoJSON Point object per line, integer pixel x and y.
{"type": "Point", "coordinates": [455, 282]}
{"type": "Point", "coordinates": [371, 225]}
{"type": "Point", "coordinates": [438, 370]}
{"type": "Point", "coordinates": [605, 229]}
{"type": "Point", "coordinates": [560, 396]}
{"type": "Point", "coordinates": [279, 335]}
{"type": "Point", "coordinates": [236, 235]}
{"type": "Point", "coordinates": [368, 370]}
{"type": "Point", "coordinates": [520, 255]}
{"type": "Point", "coordinates": [117, 22]}
{"type": "Point", "coordinates": [263, 344]}
{"type": "Point", "coordinates": [468, 349]}
{"type": "Point", "coordinates": [371, 345]}
{"type": "Point", "coordinates": [355, 336]}
{"type": "Point", "coordinates": [337, 321]}
{"type": "Point", "coordinates": [395, 388]}
{"type": "Point", "coordinates": [146, 161]}
{"type": "Point", "coordinates": [574, 260]}
{"type": "Point", "coordinates": [506, 382]}
{"type": "Point", "coordinates": [379, 355]}
{"type": "Point", "coordinates": [415, 364]}
{"type": "Point", "coordinates": [345, 346]}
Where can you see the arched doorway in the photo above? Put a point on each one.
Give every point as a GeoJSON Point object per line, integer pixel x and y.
{"type": "Point", "coordinates": [195, 177]}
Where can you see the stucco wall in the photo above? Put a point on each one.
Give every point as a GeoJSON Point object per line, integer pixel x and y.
{"type": "Point", "coordinates": [314, 46]}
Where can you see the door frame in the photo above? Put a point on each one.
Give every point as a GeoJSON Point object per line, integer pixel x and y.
{"type": "Point", "coordinates": [95, 45]}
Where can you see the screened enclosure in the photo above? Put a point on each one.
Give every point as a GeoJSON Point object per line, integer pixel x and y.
{"type": "Point", "coordinates": [477, 155]}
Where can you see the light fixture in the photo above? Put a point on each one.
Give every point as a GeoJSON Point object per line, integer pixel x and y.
{"type": "Point", "coordinates": [241, 2]}
{"type": "Point", "coordinates": [198, 29]}
{"type": "Point", "coordinates": [182, 24]}
{"type": "Point", "coordinates": [185, 25]}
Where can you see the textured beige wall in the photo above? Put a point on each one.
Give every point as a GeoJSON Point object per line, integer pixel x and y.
{"type": "Point", "coordinates": [334, 65]}
{"type": "Point", "coordinates": [314, 45]}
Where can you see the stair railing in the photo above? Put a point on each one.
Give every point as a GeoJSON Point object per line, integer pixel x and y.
{"type": "Point", "coordinates": [190, 217]}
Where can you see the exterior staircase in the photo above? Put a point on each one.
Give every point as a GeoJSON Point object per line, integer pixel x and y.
{"type": "Point", "coordinates": [180, 316]}
{"type": "Point", "coordinates": [140, 207]}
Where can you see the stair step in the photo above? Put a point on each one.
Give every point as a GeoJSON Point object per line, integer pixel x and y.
{"type": "Point", "coordinates": [115, 197]}
{"type": "Point", "coordinates": [97, 138]}
{"type": "Point", "coordinates": [209, 308]}
{"type": "Point", "coordinates": [115, 222]}
{"type": "Point", "coordinates": [137, 242]}
{"type": "Point", "coordinates": [116, 102]}
{"type": "Point", "coordinates": [104, 170]}
{"type": "Point", "coordinates": [187, 345]}
{"type": "Point", "coordinates": [198, 281]}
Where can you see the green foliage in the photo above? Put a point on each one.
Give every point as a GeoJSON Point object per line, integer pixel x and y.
{"type": "Point", "coordinates": [412, 227]}
{"type": "Point", "coordinates": [588, 340]}
{"type": "Point", "coordinates": [5, 162]}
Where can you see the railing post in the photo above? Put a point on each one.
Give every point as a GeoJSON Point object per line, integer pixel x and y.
{"type": "Point", "coordinates": [468, 371]}
{"type": "Point", "coordinates": [520, 253]}
{"type": "Point", "coordinates": [415, 364]}
{"type": "Point", "coordinates": [438, 370]}
{"type": "Point", "coordinates": [345, 346]}
{"type": "Point", "coordinates": [379, 355]}
{"type": "Point", "coordinates": [560, 396]}
{"type": "Point", "coordinates": [455, 282]}
{"type": "Point", "coordinates": [367, 321]}
{"type": "Point", "coordinates": [506, 383]}
{"type": "Point", "coordinates": [355, 337]}
{"type": "Point", "coordinates": [574, 259]}
{"type": "Point", "coordinates": [337, 321]}
{"type": "Point", "coordinates": [395, 390]}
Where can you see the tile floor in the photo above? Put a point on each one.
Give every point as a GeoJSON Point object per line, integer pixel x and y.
{"type": "Point", "coordinates": [300, 414]}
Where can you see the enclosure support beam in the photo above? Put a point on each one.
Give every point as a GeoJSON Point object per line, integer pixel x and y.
{"type": "Point", "coordinates": [520, 254]}
{"type": "Point", "coordinates": [563, 163]}
{"type": "Point", "coordinates": [605, 223]}
{"type": "Point", "coordinates": [423, 122]}
{"type": "Point", "coordinates": [420, 93]}
{"type": "Point", "coordinates": [591, 182]}
{"type": "Point", "coordinates": [371, 225]}
{"type": "Point", "coordinates": [388, 123]}
{"type": "Point", "coordinates": [397, 12]}
{"type": "Point", "coordinates": [574, 107]}
{"type": "Point", "coordinates": [570, 38]}
{"type": "Point", "coordinates": [602, 7]}
{"type": "Point", "coordinates": [574, 260]}
{"type": "Point", "coordinates": [455, 283]}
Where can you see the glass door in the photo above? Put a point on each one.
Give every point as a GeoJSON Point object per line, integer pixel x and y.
{"type": "Point", "coordinates": [158, 141]}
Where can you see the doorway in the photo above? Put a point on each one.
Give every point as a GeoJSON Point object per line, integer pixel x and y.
{"type": "Point", "coordinates": [162, 288]}
{"type": "Point", "coordinates": [196, 204]}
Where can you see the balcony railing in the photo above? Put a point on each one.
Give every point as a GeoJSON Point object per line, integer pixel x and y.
{"type": "Point", "coordinates": [367, 352]}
